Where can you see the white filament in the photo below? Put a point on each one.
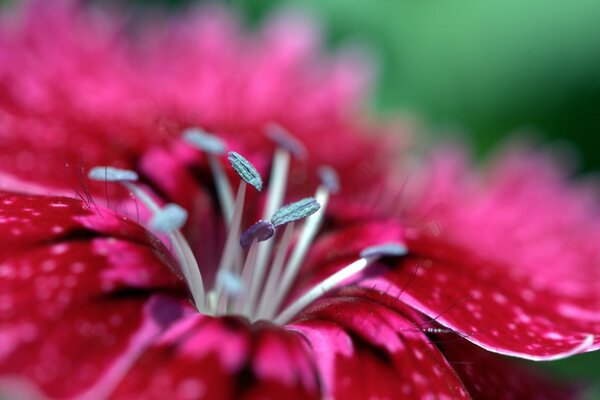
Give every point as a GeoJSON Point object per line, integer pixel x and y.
{"type": "Point", "coordinates": [321, 288]}
{"type": "Point", "coordinates": [187, 261]}
{"type": "Point", "coordinates": [309, 231]}
{"type": "Point", "coordinates": [277, 184]}
{"type": "Point", "coordinates": [224, 192]}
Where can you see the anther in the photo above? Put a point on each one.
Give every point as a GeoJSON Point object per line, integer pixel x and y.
{"type": "Point", "coordinates": [285, 140]}
{"type": "Point", "coordinates": [170, 218]}
{"type": "Point", "coordinates": [260, 231]}
{"type": "Point", "coordinates": [245, 170]}
{"type": "Point", "coordinates": [232, 284]}
{"type": "Point", "coordinates": [112, 174]}
{"type": "Point", "coordinates": [295, 211]}
{"type": "Point", "coordinates": [385, 250]}
{"type": "Point", "coordinates": [204, 141]}
{"type": "Point", "coordinates": [329, 178]}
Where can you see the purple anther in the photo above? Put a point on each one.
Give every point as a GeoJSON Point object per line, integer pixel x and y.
{"type": "Point", "coordinates": [329, 178]}
{"type": "Point", "coordinates": [260, 231]}
{"type": "Point", "coordinates": [285, 140]}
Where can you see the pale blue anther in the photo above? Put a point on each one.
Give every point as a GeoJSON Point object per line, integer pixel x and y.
{"type": "Point", "coordinates": [329, 178]}
{"type": "Point", "coordinates": [385, 250]}
{"type": "Point", "coordinates": [112, 174]}
{"type": "Point", "coordinates": [285, 140]}
{"type": "Point", "coordinates": [170, 218]}
{"type": "Point", "coordinates": [231, 283]}
{"type": "Point", "coordinates": [245, 170]}
{"type": "Point", "coordinates": [295, 211]}
{"type": "Point", "coordinates": [204, 141]}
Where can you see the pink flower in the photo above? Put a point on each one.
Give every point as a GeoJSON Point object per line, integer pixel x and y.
{"type": "Point", "coordinates": [326, 298]}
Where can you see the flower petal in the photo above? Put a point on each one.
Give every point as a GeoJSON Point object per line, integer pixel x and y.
{"type": "Point", "coordinates": [27, 220]}
{"type": "Point", "coordinates": [365, 350]}
{"type": "Point", "coordinates": [223, 358]}
{"type": "Point", "coordinates": [74, 315]}
{"type": "Point", "coordinates": [76, 302]}
{"type": "Point", "coordinates": [500, 312]}
{"type": "Point", "coordinates": [487, 375]}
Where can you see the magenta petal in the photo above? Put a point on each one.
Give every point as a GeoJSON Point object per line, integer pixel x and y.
{"type": "Point", "coordinates": [27, 220]}
{"type": "Point", "coordinates": [501, 312]}
{"type": "Point", "coordinates": [223, 358]}
{"type": "Point", "coordinates": [365, 350]}
{"type": "Point", "coordinates": [75, 315]}
{"type": "Point", "coordinates": [491, 376]}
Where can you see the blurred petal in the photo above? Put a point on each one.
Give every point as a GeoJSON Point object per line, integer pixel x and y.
{"type": "Point", "coordinates": [488, 375]}
{"type": "Point", "coordinates": [223, 358]}
{"type": "Point", "coordinates": [365, 350]}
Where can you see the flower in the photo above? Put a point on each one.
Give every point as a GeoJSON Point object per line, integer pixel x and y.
{"type": "Point", "coordinates": [154, 284]}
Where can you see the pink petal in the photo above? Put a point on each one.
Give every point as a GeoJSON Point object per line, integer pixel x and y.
{"type": "Point", "coordinates": [525, 198]}
{"type": "Point", "coordinates": [365, 350]}
{"type": "Point", "coordinates": [498, 311]}
{"type": "Point", "coordinates": [223, 358]}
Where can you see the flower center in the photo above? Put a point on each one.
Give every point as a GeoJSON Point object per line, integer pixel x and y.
{"type": "Point", "coordinates": [253, 277]}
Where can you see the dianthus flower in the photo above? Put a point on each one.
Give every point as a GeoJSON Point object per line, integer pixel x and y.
{"type": "Point", "coordinates": [189, 212]}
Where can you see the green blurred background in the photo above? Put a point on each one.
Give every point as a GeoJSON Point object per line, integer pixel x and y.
{"type": "Point", "coordinates": [477, 68]}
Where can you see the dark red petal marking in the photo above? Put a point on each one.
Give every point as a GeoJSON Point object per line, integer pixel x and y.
{"type": "Point", "coordinates": [491, 376]}
{"type": "Point", "coordinates": [27, 221]}
{"type": "Point", "coordinates": [365, 350]}
{"type": "Point", "coordinates": [74, 315]}
{"type": "Point", "coordinates": [225, 358]}
{"type": "Point", "coordinates": [498, 311]}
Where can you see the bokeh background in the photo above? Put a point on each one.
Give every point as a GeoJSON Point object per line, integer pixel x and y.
{"type": "Point", "coordinates": [480, 69]}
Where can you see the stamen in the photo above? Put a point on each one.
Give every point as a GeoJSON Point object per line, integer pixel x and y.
{"type": "Point", "coordinates": [112, 174]}
{"type": "Point", "coordinates": [245, 170]}
{"type": "Point", "coordinates": [334, 280]}
{"type": "Point", "coordinates": [276, 270]}
{"type": "Point", "coordinates": [285, 140]}
{"type": "Point", "coordinates": [242, 305]}
{"type": "Point", "coordinates": [295, 211]}
{"type": "Point", "coordinates": [260, 231]}
{"type": "Point", "coordinates": [170, 218]}
{"type": "Point", "coordinates": [213, 147]}
{"type": "Point", "coordinates": [309, 231]}
{"type": "Point", "coordinates": [286, 146]}
{"type": "Point", "coordinates": [187, 261]}
{"type": "Point", "coordinates": [231, 258]}
{"type": "Point", "coordinates": [231, 255]}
